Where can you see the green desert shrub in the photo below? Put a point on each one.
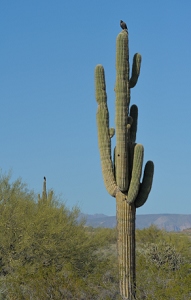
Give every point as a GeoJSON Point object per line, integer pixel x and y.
{"type": "Point", "coordinates": [45, 253]}
{"type": "Point", "coordinates": [163, 265]}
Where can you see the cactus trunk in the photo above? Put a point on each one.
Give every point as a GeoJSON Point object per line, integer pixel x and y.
{"type": "Point", "coordinates": [122, 102]}
{"type": "Point", "coordinates": [126, 247]}
{"type": "Point", "coordinates": [122, 175]}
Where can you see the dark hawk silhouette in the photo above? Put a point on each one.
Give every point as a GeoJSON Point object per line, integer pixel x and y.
{"type": "Point", "coordinates": [44, 178]}
{"type": "Point", "coordinates": [123, 25]}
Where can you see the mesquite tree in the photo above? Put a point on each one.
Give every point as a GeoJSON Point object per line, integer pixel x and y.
{"type": "Point", "coordinates": [122, 174]}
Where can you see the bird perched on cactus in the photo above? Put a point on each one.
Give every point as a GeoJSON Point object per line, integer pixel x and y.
{"type": "Point", "coordinates": [123, 25]}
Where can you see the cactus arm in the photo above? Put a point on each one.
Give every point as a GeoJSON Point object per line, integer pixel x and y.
{"type": "Point", "coordinates": [135, 70]}
{"type": "Point", "coordinates": [136, 173]}
{"type": "Point", "coordinates": [145, 185]}
{"type": "Point", "coordinates": [104, 133]}
{"type": "Point", "coordinates": [134, 116]}
{"type": "Point", "coordinates": [122, 104]}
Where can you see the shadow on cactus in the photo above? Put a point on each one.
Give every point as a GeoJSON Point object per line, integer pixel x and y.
{"type": "Point", "coordinates": [122, 174]}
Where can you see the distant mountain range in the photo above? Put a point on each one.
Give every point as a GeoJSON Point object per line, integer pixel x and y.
{"type": "Point", "coordinates": [169, 222]}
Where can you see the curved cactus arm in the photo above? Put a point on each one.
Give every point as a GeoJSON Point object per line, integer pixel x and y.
{"type": "Point", "coordinates": [134, 116]}
{"type": "Point", "coordinates": [135, 70]}
{"type": "Point", "coordinates": [136, 173]}
{"type": "Point", "coordinates": [145, 185]}
{"type": "Point", "coordinates": [104, 133]}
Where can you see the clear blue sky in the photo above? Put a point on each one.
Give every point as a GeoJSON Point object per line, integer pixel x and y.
{"type": "Point", "coordinates": [48, 53]}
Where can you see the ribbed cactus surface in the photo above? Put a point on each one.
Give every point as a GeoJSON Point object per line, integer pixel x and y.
{"type": "Point", "coordinates": [122, 173]}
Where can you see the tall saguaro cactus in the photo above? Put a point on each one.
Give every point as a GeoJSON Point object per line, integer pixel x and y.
{"type": "Point", "coordinates": [122, 174]}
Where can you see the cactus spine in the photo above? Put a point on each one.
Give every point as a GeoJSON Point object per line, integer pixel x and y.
{"type": "Point", "coordinates": [122, 175]}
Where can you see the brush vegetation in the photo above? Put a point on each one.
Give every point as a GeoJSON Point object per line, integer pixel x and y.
{"type": "Point", "coordinates": [45, 253]}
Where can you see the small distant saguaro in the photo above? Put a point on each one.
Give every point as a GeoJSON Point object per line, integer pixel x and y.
{"type": "Point", "coordinates": [45, 198]}
{"type": "Point", "coordinates": [122, 173]}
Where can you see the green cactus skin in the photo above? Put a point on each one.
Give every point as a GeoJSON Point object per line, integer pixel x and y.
{"type": "Point", "coordinates": [121, 117]}
{"type": "Point", "coordinates": [146, 184]}
{"type": "Point", "coordinates": [125, 214]}
{"type": "Point", "coordinates": [104, 139]}
{"type": "Point", "coordinates": [135, 70]}
{"type": "Point", "coordinates": [122, 175]}
{"type": "Point", "coordinates": [134, 116]}
{"type": "Point", "coordinates": [136, 173]}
